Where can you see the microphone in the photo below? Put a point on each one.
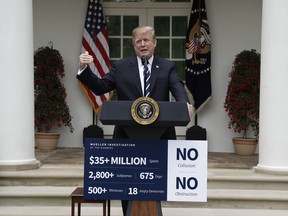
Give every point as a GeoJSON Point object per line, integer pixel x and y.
{"type": "Point", "coordinates": [144, 60]}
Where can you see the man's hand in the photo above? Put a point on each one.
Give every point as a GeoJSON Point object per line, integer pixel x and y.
{"type": "Point", "coordinates": [84, 59]}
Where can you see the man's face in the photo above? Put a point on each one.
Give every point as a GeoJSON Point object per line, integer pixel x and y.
{"type": "Point", "coordinates": [144, 44]}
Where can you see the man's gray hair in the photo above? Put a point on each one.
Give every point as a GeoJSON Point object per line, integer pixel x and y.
{"type": "Point", "coordinates": [142, 29]}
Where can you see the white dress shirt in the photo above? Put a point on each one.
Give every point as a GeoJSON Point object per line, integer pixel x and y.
{"type": "Point", "coordinates": [141, 70]}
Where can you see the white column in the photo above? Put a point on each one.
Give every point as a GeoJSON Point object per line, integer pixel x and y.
{"type": "Point", "coordinates": [273, 143]}
{"type": "Point", "coordinates": [17, 150]}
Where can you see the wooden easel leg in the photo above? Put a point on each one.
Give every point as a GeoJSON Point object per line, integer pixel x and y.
{"type": "Point", "coordinates": [144, 208]}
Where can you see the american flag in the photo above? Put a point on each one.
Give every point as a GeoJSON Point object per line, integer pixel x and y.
{"type": "Point", "coordinates": [95, 41]}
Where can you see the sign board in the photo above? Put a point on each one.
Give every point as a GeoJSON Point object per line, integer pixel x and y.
{"type": "Point", "coordinates": [167, 170]}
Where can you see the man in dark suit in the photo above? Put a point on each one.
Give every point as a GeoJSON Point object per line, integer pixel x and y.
{"type": "Point", "coordinates": [126, 75]}
{"type": "Point", "coordinates": [127, 78]}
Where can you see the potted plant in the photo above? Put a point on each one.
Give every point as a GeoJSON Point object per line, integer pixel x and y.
{"type": "Point", "coordinates": [51, 109]}
{"type": "Point", "coordinates": [242, 99]}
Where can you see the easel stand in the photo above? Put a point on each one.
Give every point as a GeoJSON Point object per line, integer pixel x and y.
{"type": "Point", "coordinates": [119, 113]}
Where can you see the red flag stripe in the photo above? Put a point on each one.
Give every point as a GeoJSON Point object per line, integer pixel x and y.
{"type": "Point", "coordinates": [97, 56]}
{"type": "Point", "coordinates": [102, 45]}
{"type": "Point", "coordinates": [101, 58]}
{"type": "Point", "coordinates": [96, 67]}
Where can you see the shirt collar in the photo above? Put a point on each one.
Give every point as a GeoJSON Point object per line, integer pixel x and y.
{"type": "Point", "coordinates": [150, 60]}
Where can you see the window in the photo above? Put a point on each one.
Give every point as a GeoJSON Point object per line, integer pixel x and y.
{"type": "Point", "coordinates": [170, 27]}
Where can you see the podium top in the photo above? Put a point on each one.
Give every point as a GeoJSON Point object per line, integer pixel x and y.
{"type": "Point", "coordinates": [119, 113]}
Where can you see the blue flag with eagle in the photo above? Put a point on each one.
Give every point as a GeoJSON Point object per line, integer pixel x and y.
{"type": "Point", "coordinates": [198, 56]}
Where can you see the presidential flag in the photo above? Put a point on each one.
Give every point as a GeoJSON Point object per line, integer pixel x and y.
{"type": "Point", "coordinates": [95, 41]}
{"type": "Point", "coordinates": [198, 56]}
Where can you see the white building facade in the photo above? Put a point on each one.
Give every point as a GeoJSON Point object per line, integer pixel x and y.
{"type": "Point", "coordinates": [235, 25]}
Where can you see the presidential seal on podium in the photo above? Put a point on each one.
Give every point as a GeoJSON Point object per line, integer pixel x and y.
{"type": "Point", "coordinates": [145, 110]}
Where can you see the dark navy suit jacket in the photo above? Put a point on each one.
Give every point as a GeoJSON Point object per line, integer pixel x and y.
{"type": "Point", "coordinates": [124, 78]}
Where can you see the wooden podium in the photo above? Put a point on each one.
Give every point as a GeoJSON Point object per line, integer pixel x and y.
{"type": "Point", "coordinates": [171, 114]}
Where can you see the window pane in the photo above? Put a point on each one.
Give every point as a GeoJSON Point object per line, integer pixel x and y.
{"type": "Point", "coordinates": [128, 49]}
{"type": "Point", "coordinates": [179, 25]}
{"type": "Point", "coordinates": [178, 48]}
{"type": "Point", "coordinates": [114, 47]}
{"type": "Point", "coordinates": [129, 23]}
{"type": "Point", "coordinates": [180, 68]}
{"type": "Point", "coordinates": [113, 25]}
{"type": "Point", "coordinates": [162, 48]}
{"type": "Point", "coordinates": [162, 26]}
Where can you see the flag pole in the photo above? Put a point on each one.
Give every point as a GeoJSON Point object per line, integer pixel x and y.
{"type": "Point", "coordinates": [93, 116]}
{"type": "Point", "coordinates": [195, 120]}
